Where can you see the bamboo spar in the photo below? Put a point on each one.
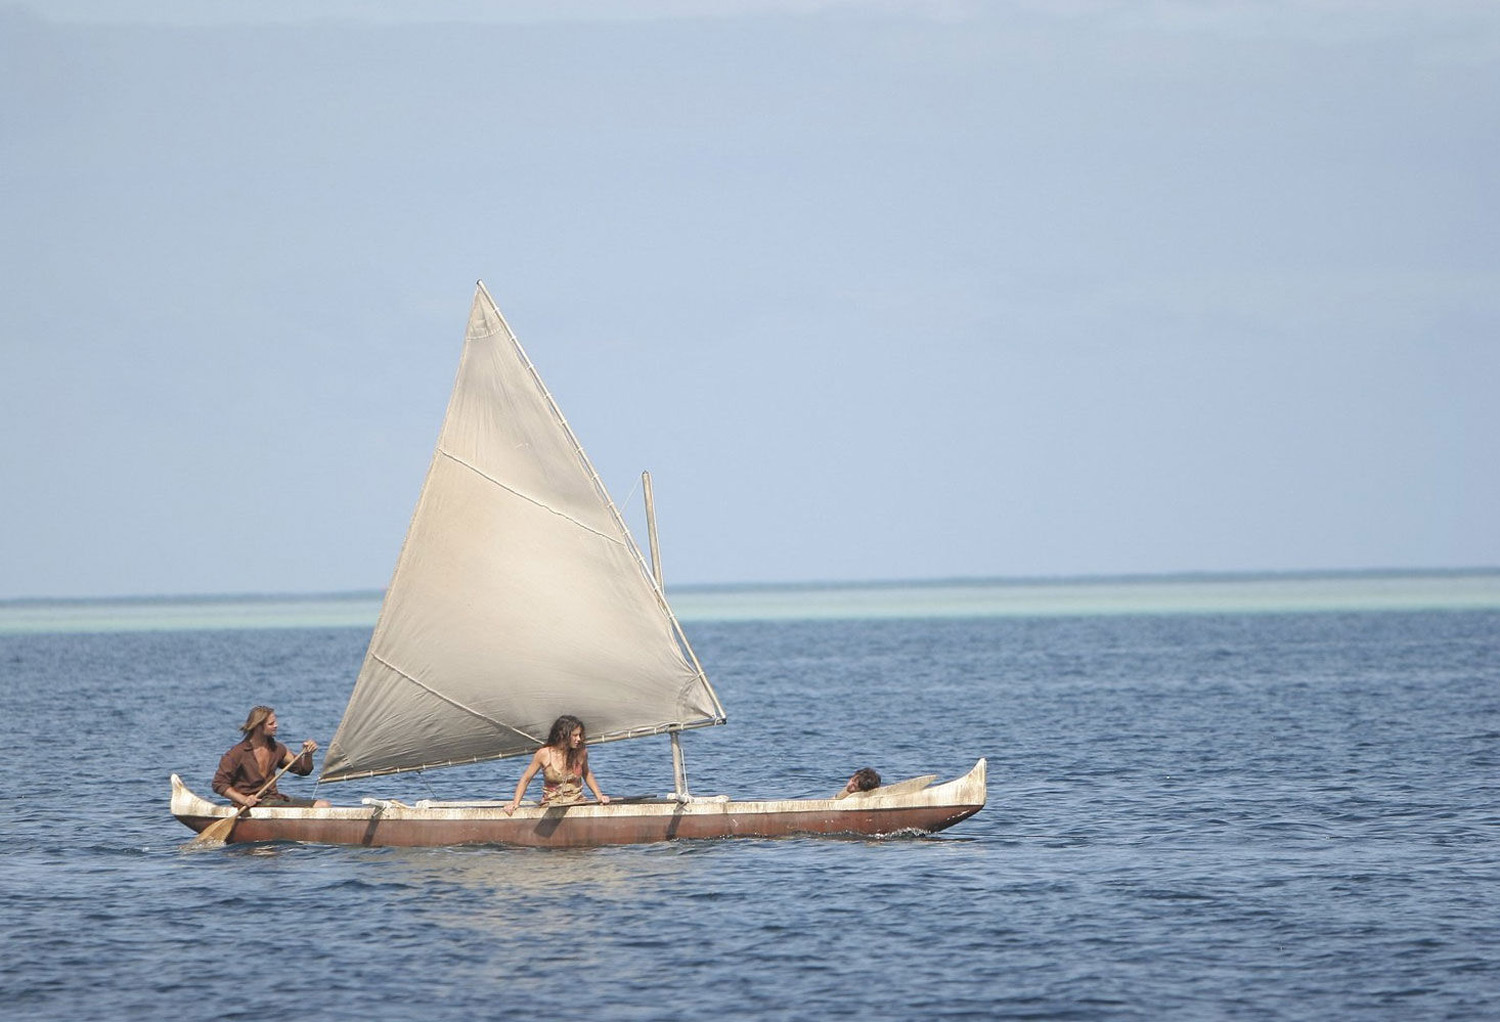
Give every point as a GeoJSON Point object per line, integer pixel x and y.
{"type": "Point", "coordinates": [651, 528]}
{"type": "Point", "coordinates": [679, 768]}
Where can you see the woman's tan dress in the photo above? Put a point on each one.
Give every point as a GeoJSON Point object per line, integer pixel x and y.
{"type": "Point", "coordinates": [560, 788]}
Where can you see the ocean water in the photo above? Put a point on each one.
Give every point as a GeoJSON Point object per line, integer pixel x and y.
{"type": "Point", "coordinates": [1268, 815]}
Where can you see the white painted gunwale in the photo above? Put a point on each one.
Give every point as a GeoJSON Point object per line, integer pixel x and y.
{"type": "Point", "coordinates": [968, 790]}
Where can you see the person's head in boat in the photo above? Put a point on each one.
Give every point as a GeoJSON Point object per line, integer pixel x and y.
{"type": "Point", "coordinates": [245, 775]}
{"type": "Point", "coordinates": [568, 738]}
{"type": "Point", "coordinates": [569, 735]}
{"type": "Point", "coordinates": [864, 779]}
{"type": "Point", "coordinates": [262, 717]}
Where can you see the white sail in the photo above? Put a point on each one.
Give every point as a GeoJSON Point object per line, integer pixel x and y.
{"type": "Point", "coordinates": [518, 596]}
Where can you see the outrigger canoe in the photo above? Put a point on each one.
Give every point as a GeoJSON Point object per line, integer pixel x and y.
{"type": "Point", "coordinates": [909, 807]}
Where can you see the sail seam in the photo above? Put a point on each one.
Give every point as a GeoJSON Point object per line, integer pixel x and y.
{"type": "Point", "coordinates": [454, 702]}
{"type": "Point", "coordinates": [526, 497]}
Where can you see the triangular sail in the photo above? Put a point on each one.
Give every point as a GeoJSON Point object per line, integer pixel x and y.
{"type": "Point", "coordinates": [518, 596]}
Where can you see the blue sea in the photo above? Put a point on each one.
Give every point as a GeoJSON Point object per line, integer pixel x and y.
{"type": "Point", "coordinates": [1273, 798]}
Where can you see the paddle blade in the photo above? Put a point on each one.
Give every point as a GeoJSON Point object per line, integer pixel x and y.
{"type": "Point", "coordinates": [215, 833]}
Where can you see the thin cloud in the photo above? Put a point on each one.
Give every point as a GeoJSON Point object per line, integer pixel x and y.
{"type": "Point", "coordinates": [1326, 19]}
{"type": "Point", "coordinates": [273, 12]}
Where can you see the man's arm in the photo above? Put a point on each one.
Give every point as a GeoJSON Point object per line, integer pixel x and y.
{"type": "Point", "coordinates": [302, 763]}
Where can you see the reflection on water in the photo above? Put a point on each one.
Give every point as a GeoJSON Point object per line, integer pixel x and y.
{"type": "Point", "coordinates": [488, 871]}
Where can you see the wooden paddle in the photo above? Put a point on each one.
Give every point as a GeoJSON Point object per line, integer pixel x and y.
{"type": "Point", "coordinates": [217, 833]}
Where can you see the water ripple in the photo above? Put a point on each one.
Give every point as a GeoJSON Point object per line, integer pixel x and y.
{"type": "Point", "coordinates": [1288, 817]}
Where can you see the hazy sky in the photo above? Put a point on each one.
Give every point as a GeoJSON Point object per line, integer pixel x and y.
{"type": "Point", "coordinates": [875, 290]}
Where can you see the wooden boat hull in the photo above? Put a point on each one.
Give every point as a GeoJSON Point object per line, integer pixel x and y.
{"type": "Point", "coordinates": [887, 811]}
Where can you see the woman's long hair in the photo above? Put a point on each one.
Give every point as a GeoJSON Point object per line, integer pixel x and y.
{"type": "Point", "coordinates": [562, 729]}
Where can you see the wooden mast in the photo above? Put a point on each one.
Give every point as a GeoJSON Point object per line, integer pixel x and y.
{"type": "Point", "coordinates": [679, 768]}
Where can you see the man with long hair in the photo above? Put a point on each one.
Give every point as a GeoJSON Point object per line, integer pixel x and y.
{"type": "Point", "coordinates": [247, 767]}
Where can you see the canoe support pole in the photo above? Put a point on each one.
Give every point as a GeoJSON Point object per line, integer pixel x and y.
{"type": "Point", "coordinates": [679, 770]}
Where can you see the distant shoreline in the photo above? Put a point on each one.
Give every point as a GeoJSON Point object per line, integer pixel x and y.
{"type": "Point", "coordinates": [830, 584]}
{"type": "Point", "coordinates": [1196, 593]}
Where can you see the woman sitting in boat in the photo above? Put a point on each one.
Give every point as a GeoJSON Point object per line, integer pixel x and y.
{"type": "Point", "coordinates": [564, 763]}
{"type": "Point", "coordinates": [245, 772]}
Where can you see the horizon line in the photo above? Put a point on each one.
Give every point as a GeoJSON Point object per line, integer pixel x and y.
{"type": "Point", "coordinates": [812, 585]}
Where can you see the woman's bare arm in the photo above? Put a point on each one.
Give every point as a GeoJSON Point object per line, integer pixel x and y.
{"type": "Point", "coordinates": [531, 769]}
